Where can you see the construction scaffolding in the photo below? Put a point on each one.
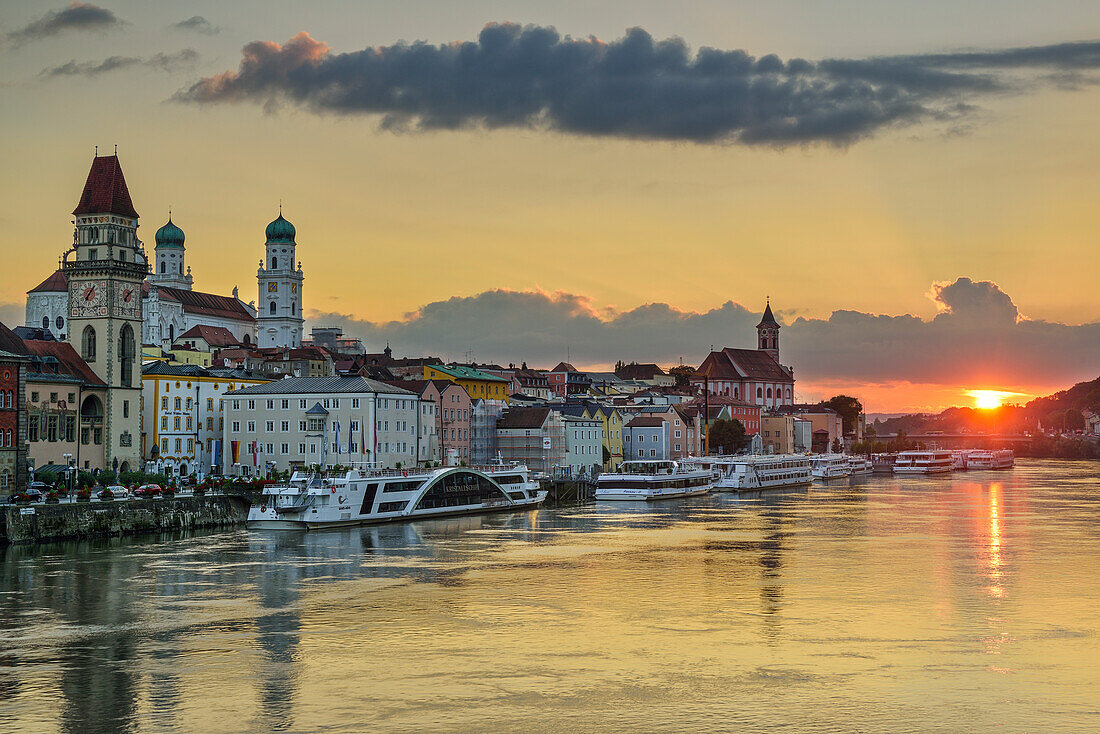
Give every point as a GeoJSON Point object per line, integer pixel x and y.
{"type": "Point", "coordinates": [484, 415]}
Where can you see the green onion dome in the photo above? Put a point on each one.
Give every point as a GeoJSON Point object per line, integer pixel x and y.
{"type": "Point", "coordinates": [169, 235]}
{"type": "Point", "coordinates": [280, 232]}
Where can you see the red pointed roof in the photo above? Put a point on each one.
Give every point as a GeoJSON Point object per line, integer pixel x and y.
{"type": "Point", "coordinates": [68, 361]}
{"type": "Point", "coordinates": [56, 283]}
{"type": "Point", "coordinates": [767, 319]}
{"type": "Point", "coordinates": [105, 190]}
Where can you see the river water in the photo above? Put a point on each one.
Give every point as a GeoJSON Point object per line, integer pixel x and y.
{"type": "Point", "coordinates": [969, 602]}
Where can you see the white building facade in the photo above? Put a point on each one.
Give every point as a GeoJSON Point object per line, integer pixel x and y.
{"type": "Point", "coordinates": [328, 421]}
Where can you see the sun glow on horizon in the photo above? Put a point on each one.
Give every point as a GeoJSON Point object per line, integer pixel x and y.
{"type": "Point", "coordinates": [990, 399]}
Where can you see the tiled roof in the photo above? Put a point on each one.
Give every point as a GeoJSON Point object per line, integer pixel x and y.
{"type": "Point", "coordinates": [639, 371]}
{"type": "Point", "coordinates": [105, 190]}
{"type": "Point", "coordinates": [10, 343]}
{"type": "Point", "coordinates": [299, 385]}
{"type": "Point", "coordinates": [215, 336]}
{"type": "Point", "coordinates": [56, 283]}
{"type": "Point", "coordinates": [68, 361]}
{"type": "Point", "coordinates": [564, 367]}
{"type": "Point", "coordinates": [738, 364]}
{"type": "Point", "coordinates": [645, 421]}
{"type": "Point", "coordinates": [523, 418]}
{"type": "Point", "coordinates": [205, 304]}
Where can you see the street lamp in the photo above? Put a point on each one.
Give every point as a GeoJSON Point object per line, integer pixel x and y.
{"type": "Point", "coordinates": [68, 473]}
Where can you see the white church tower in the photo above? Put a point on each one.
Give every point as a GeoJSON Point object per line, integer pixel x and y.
{"type": "Point", "coordinates": [279, 319]}
{"type": "Point", "coordinates": [170, 267]}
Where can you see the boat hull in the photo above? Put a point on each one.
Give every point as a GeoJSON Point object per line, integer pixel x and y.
{"type": "Point", "coordinates": [261, 521]}
{"type": "Point", "coordinates": [646, 495]}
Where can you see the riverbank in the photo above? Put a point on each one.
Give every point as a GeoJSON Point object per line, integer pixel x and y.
{"type": "Point", "coordinates": [23, 524]}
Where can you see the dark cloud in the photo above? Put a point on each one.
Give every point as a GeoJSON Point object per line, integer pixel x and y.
{"type": "Point", "coordinates": [77, 16]}
{"type": "Point", "coordinates": [197, 24]}
{"type": "Point", "coordinates": [161, 62]}
{"type": "Point", "coordinates": [978, 337]}
{"type": "Point", "coordinates": [633, 87]}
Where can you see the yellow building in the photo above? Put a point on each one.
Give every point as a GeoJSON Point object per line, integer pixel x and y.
{"type": "Point", "coordinates": [777, 432]}
{"type": "Point", "coordinates": [197, 357]}
{"type": "Point", "coordinates": [477, 384]}
{"type": "Point", "coordinates": [612, 434]}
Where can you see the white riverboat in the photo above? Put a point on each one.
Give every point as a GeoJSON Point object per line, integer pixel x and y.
{"type": "Point", "coordinates": [752, 473]}
{"type": "Point", "coordinates": [830, 466]}
{"type": "Point", "coordinates": [931, 461]}
{"type": "Point", "coordinates": [961, 460]}
{"type": "Point", "coordinates": [859, 465]}
{"type": "Point", "coordinates": [364, 496]}
{"type": "Point", "coordinates": [986, 459]}
{"type": "Point", "coordinates": [652, 480]}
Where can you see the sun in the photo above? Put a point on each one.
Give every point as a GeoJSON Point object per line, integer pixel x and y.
{"type": "Point", "coordinates": [989, 399]}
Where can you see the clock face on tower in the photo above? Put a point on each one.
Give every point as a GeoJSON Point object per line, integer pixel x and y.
{"type": "Point", "coordinates": [88, 298]}
{"type": "Point", "coordinates": [127, 301]}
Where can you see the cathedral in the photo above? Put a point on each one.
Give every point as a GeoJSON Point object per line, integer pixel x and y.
{"type": "Point", "coordinates": [108, 302]}
{"type": "Point", "coordinates": [170, 304]}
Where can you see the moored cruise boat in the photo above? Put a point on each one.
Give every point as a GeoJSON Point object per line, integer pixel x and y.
{"type": "Point", "coordinates": [652, 480]}
{"type": "Point", "coordinates": [858, 465]}
{"type": "Point", "coordinates": [986, 459]}
{"type": "Point", "coordinates": [961, 460]}
{"type": "Point", "coordinates": [829, 466]}
{"type": "Point", "coordinates": [933, 461]}
{"type": "Point", "coordinates": [365, 496]}
{"type": "Point", "coordinates": [751, 473]}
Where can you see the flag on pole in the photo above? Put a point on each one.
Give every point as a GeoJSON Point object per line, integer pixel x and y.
{"type": "Point", "coordinates": [363, 438]}
{"type": "Point", "coordinates": [336, 427]}
{"type": "Point", "coordinates": [351, 443]}
{"type": "Point", "coordinates": [236, 448]}
{"type": "Point", "coordinates": [255, 451]}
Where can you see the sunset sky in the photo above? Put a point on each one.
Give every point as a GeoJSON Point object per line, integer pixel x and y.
{"type": "Point", "coordinates": [914, 184]}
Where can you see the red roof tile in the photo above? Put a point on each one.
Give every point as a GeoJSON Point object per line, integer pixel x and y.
{"type": "Point", "coordinates": [205, 304]}
{"type": "Point", "coordinates": [70, 363]}
{"type": "Point", "coordinates": [11, 343]}
{"type": "Point", "coordinates": [215, 336]}
{"type": "Point", "coordinates": [105, 190]}
{"type": "Point", "coordinates": [56, 283]}
{"type": "Point", "coordinates": [645, 421]}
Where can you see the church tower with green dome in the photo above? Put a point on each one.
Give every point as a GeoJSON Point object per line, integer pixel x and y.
{"type": "Point", "coordinates": [279, 320]}
{"type": "Point", "coordinates": [170, 269]}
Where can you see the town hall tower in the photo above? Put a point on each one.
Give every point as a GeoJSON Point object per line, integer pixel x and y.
{"type": "Point", "coordinates": [105, 268]}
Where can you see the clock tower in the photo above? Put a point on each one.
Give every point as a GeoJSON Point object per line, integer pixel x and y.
{"type": "Point", "coordinates": [279, 320]}
{"type": "Point", "coordinates": [105, 268]}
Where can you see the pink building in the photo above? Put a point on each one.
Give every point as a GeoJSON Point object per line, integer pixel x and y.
{"type": "Point", "coordinates": [452, 416]}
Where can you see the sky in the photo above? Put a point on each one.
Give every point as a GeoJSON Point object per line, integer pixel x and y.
{"type": "Point", "coordinates": [912, 184]}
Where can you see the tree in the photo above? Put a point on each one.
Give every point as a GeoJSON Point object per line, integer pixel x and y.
{"type": "Point", "coordinates": [836, 446]}
{"type": "Point", "coordinates": [606, 456]}
{"type": "Point", "coordinates": [683, 374]}
{"type": "Point", "coordinates": [848, 408]}
{"type": "Point", "coordinates": [726, 436]}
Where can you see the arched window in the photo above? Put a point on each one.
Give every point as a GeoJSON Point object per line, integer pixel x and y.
{"type": "Point", "coordinates": [88, 344]}
{"type": "Point", "coordinates": [735, 392]}
{"type": "Point", "coordinates": [171, 332]}
{"type": "Point", "coordinates": [274, 262]}
{"type": "Point", "coordinates": [163, 267]}
{"type": "Point", "coordinates": [293, 307]}
{"type": "Point", "coordinates": [759, 393]}
{"type": "Point", "coordinates": [45, 322]}
{"type": "Point", "coordinates": [246, 339]}
{"type": "Point", "coordinates": [271, 308]}
{"type": "Point", "coordinates": [788, 393]}
{"type": "Point", "coordinates": [60, 321]}
{"type": "Point", "coordinates": [126, 353]}
{"type": "Point", "coordinates": [769, 393]}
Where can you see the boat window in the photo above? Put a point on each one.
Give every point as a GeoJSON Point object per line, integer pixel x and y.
{"type": "Point", "coordinates": [392, 506]}
{"type": "Point", "coordinates": [389, 487]}
{"type": "Point", "coordinates": [459, 489]}
{"type": "Point", "coordinates": [368, 499]}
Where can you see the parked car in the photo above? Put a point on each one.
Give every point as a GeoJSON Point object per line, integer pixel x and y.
{"type": "Point", "coordinates": [40, 487]}
{"type": "Point", "coordinates": [148, 490]}
{"type": "Point", "coordinates": [119, 491]}
{"type": "Point", "coordinates": [105, 494]}
{"type": "Point", "coordinates": [32, 494]}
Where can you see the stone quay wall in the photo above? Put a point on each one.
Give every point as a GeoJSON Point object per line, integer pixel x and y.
{"type": "Point", "coordinates": [34, 523]}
